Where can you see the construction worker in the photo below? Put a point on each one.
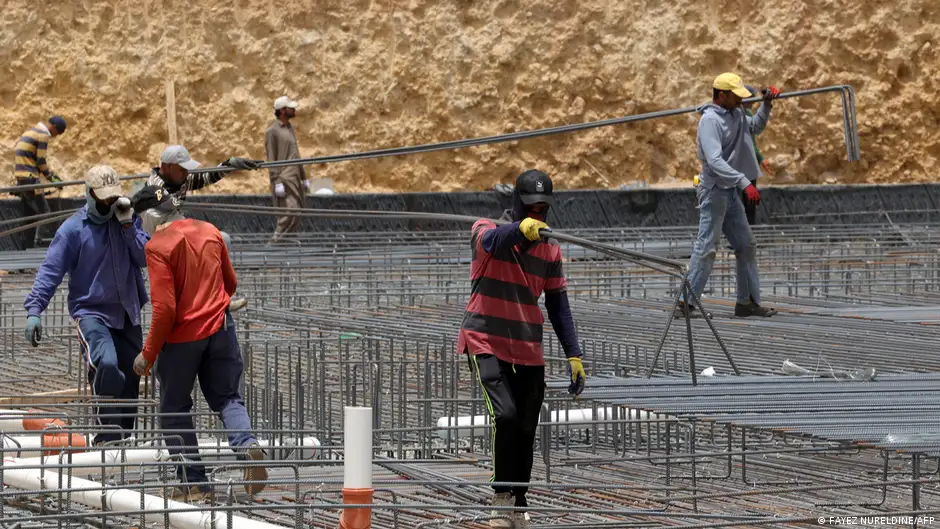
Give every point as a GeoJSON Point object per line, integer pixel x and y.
{"type": "Point", "coordinates": [726, 150]}
{"type": "Point", "coordinates": [29, 164]}
{"type": "Point", "coordinates": [192, 333]}
{"type": "Point", "coordinates": [288, 184]}
{"type": "Point", "coordinates": [173, 175]}
{"type": "Point", "coordinates": [502, 331]}
{"type": "Point", "coordinates": [750, 208]}
{"type": "Point", "coordinates": [101, 248]}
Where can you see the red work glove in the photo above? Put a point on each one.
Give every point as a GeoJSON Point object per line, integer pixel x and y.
{"type": "Point", "coordinates": [753, 196]}
{"type": "Point", "coordinates": [766, 166]}
{"type": "Point", "coordinates": [771, 92]}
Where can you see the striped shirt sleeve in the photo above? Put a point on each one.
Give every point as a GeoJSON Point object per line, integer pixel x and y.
{"type": "Point", "coordinates": [555, 280]}
{"type": "Point", "coordinates": [31, 154]}
{"type": "Point", "coordinates": [205, 179]}
{"type": "Point", "coordinates": [479, 228]}
{"type": "Point", "coordinates": [41, 158]}
{"type": "Point", "coordinates": [155, 179]}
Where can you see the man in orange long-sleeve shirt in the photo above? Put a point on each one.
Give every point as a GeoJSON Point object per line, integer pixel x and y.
{"type": "Point", "coordinates": [192, 332]}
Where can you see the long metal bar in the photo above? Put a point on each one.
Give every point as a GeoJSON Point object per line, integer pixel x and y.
{"type": "Point", "coordinates": [848, 110]}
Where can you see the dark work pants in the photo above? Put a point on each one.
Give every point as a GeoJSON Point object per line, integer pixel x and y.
{"type": "Point", "coordinates": [513, 395]}
{"type": "Point", "coordinates": [109, 355]}
{"type": "Point", "coordinates": [217, 362]}
{"type": "Point", "coordinates": [750, 209]}
{"type": "Point", "coordinates": [34, 203]}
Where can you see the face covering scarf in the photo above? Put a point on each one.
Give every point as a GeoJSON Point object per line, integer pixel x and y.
{"type": "Point", "coordinates": [98, 212]}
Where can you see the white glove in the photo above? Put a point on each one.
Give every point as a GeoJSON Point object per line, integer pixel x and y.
{"type": "Point", "coordinates": [306, 184]}
{"type": "Point", "coordinates": [279, 190]}
{"type": "Point", "coordinates": [123, 211]}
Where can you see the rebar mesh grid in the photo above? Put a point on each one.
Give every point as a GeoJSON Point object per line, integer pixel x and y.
{"type": "Point", "coordinates": [371, 319]}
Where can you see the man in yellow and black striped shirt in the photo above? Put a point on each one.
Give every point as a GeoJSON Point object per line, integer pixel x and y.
{"type": "Point", "coordinates": [29, 164]}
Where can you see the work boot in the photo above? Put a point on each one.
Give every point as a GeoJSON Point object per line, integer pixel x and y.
{"type": "Point", "coordinates": [237, 303]}
{"type": "Point", "coordinates": [520, 520]}
{"type": "Point", "coordinates": [503, 499]}
{"type": "Point", "coordinates": [694, 311]}
{"type": "Point", "coordinates": [744, 310]}
{"type": "Point", "coordinates": [192, 494]}
{"type": "Point", "coordinates": [255, 472]}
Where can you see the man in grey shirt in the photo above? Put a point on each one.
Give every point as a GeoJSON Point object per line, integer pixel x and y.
{"type": "Point", "coordinates": [729, 165]}
{"type": "Point", "coordinates": [288, 184]}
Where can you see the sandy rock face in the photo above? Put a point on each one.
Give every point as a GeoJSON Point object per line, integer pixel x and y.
{"type": "Point", "coordinates": [372, 75]}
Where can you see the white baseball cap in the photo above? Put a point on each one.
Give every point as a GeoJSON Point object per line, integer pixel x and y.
{"type": "Point", "coordinates": [103, 180]}
{"type": "Point", "coordinates": [284, 102]}
{"type": "Point", "coordinates": [177, 154]}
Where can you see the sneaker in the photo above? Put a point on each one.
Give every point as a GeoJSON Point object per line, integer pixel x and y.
{"type": "Point", "coordinates": [192, 494]}
{"type": "Point", "coordinates": [256, 472]}
{"type": "Point", "coordinates": [742, 310]}
{"type": "Point", "coordinates": [503, 499]}
{"type": "Point", "coordinates": [694, 312]}
{"type": "Point", "coordinates": [237, 303]}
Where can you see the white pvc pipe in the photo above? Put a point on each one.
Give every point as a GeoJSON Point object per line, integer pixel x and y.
{"type": "Point", "coordinates": [87, 463]}
{"type": "Point", "coordinates": [357, 444]}
{"type": "Point", "coordinates": [33, 444]}
{"type": "Point", "coordinates": [14, 420]}
{"type": "Point", "coordinates": [308, 448]}
{"type": "Point", "coordinates": [481, 423]}
{"type": "Point", "coordinates": [89, 493]}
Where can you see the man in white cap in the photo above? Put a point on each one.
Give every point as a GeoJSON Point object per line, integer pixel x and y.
{"type": "Point", "coordinates": [288, 184]}
{"type": "Point", "coordinates": [101, 248]}
{"type": "Point", "coordinates": [174, 175]}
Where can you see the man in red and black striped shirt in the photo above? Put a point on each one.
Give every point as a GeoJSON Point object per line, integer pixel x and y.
{"type": "Point", "coordinates": [502, 330]}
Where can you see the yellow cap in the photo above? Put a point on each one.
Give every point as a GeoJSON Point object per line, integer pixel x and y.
{"type": "Point", "coordinates": [732, 82]}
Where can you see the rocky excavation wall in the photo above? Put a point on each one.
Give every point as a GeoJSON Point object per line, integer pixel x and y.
{"type": "Point", "coordinates": [373, 74]}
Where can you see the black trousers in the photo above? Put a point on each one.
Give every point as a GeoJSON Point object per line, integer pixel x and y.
{"type": "Point", "coordinates": [34, 203]}
{"type": "Point", "coordinates": [513, 395]}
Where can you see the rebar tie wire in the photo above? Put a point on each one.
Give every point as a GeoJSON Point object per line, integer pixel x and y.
{"type": "Point", "coordinates": [849, 126]}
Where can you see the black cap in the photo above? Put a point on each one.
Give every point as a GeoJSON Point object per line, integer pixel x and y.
{"type": "Point", "coordinates": [534, 186]}
{"type": "Point", "coordinates": [148, 198]}
{"type": "Point", "coordinates": [59, 123]}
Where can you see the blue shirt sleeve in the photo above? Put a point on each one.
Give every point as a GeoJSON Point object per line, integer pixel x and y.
{"type": "Point", "coordinates": [59, 259]}
{"type": "Point", "coordinates": [502, 237]}
{"type": "Point", "coordinates": [136, 238]}
{"type": "Point", "coordinates": [559, 312]}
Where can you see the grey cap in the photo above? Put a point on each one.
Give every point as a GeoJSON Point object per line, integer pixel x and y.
{"type": "Point", "coordinates": [177, 154]}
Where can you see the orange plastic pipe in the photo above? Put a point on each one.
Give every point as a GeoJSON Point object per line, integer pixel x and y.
{"type": "Point", "coordinates": [53, 442]}
{"type": "Point", "coordinates": [359, 517]}
{"type": "Point", "coordinates": [32, 424]}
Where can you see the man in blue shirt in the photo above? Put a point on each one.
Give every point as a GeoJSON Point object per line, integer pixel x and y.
{"type": "Point", "coordinates": [729, 168]}
{"type": "Point", "coordinates": [101, 247]}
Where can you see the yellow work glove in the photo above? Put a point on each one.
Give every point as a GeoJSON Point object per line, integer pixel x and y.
{"type": "Point", "coordinates": [578, 377]}
{"type": "Point", "coordinates": [530, 228]}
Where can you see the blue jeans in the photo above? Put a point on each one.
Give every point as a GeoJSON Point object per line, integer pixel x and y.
{"type": "Point", "coordinates": [217, 362]}
{"type": "Point", "coordinates": [109, 355]}
{"type": "Point", "coordinates": [724, 209]}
